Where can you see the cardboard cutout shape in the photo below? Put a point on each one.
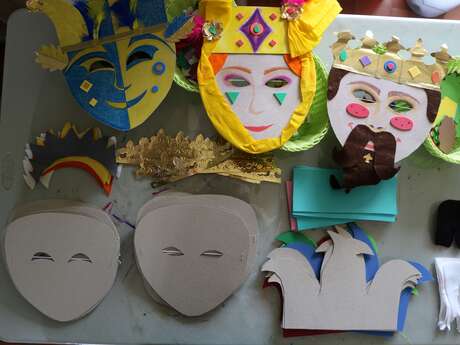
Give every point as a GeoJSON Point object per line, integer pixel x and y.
{"type": "Point", "coordinates": [195, 251]}
{"type": "Point", "coordinates": [342, 288]}
{"type": "Point", "coordinates": [256, 74]}
{"type": "Point", "coordinates": [380, 106]}
{"type": "Point", "coordinates": [62, 260]}
{"type": "Point", "coordinates": [118, 57]}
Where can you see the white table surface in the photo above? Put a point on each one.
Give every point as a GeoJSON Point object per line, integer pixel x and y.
{"type": "Point", "coordinates": [34, 100]}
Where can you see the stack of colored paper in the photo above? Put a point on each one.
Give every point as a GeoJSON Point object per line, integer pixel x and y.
{"type": "Point", "coordinates": [316, 204]}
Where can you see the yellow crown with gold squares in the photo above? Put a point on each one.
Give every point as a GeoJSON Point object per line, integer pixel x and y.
{"type": "Point", "coordinates": [254, 30]}
{"type": "Point", "coordinates": [294, 28]}
{"type": "Point", "coordinates": [384, 60]}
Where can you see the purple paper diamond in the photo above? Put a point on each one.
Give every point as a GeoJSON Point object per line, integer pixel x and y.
{"type": "Point", "coordinates": [256, 30]}
{"type": "Point", "coordinates": [365, 61]}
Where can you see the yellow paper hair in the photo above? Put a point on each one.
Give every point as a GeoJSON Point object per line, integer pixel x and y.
{"type": "Point", "coordinates": [69, 23]}
{"type": "Point", "coordinates": [133, 6]}
{"type": "Point", "coordinates": [97, 14]}
{"type": "Point", "coordinates": [305, 32]}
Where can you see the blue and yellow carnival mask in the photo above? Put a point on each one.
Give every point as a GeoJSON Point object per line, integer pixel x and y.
{"type": "Point", "coordinates": [118, 56]}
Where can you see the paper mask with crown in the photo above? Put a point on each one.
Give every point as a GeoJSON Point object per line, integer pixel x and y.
{"type": "Point", "coordinates": [381, 106]}
{"type": "Point", "coordinates": [257, 74]}
{"type": "Point", "coordinates": [118, 56]}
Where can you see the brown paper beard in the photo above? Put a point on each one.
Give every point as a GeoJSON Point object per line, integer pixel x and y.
{"type": "Point", "coordinates": [351, 158]}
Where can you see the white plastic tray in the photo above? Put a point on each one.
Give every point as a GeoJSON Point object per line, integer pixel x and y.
{"type": "Point", "coordinates": [34, 100]}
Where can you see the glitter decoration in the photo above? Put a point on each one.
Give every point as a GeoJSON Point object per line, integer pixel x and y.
{"type": "Point", "coordinates": [343, 55]}
{"type": "Point", "coordinates": [436, 77]}
{"type": "Point", "coordinates": [239, 16]}
{"type": "Point", "coordinates": [291, 11]}
{"type": "Point", "coordinates": [86, 86]}
{"type": "Point", "coordinates": [239, 43]}
{"type": "Point", "coordinates": [273, 16]}
{"type": "Point", "coordinates": [272, 43]}
{"type": "Point", "coordinates": [256, 38]}
{"type": "Point", "coordinates": [365, 61]}
{"type": "Point", "coordinates": [212, 30]}
{"type": "Point", "coordinates": [93, 102]}
{"type": "Point", "coordinates": [390, 66]}
{"type": "Point", "coordinates": [414, 71]}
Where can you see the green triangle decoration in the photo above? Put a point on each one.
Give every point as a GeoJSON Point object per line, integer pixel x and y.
{"type": "Point", "coordinates": [232, 96]}
{"type": "Point", "coordinates": [280, 96]}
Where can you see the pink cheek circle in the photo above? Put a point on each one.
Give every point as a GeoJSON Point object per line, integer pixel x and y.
{"type": "Point", "coordinates": [357, 110]}
{"type": "Point", "coordinates": [402, 123]}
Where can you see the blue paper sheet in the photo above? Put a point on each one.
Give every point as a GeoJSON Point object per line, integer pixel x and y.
{"type": "Point", "coordinates": [316, 204]}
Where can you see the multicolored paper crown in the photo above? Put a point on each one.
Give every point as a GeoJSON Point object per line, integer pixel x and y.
{"type": "Point", "coordinates": [88, 150]}
{"type": "Point", "coordinates": [382, 60]}
{"type": "Point", "coordinates": [84, 23]}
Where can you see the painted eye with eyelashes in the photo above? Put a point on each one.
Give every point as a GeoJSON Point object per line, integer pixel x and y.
{"type": "Point", "coordinates": [278, 82]}
{"type": "Point", "coordinates": [42, 256]}
{"type": "Point", "coordinates": [364, 96]}
{"type": "Point", "coordinates": [236, 80]}
{"type": "Point", "coordinates": [80, 257]}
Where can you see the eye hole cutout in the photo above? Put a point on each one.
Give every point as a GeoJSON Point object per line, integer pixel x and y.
{"type": "Point", "coordinates": [172, 251]}
{"type": "Point", "coordinates": [99, 65]}
{"type": "Point", "coordinates": [212, 253]}
{"type": "Point", "coordinates": [137, 57]}
{"type": "Point", "coordinates": [277, 82]}
{"type": "Point", "coordinates": [364, 96]}
{"type": "Point", "coordinates": [42, 256]}
{"type": "Point", "coordinates": [236, 80]}
{"type": "Point", "coordinates": [401, 106]}
{"type": "Point", "coordinates": [80, 257]}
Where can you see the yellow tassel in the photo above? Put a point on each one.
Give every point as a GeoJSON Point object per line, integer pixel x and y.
{"type": "Point", "coordinates": [305, 32]}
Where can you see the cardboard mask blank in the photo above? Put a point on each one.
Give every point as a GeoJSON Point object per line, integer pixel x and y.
{"type": "Point", "coordinates": [63, 264]}
{"type": "Point", "coordinates": [193, 256]}
{"type": "Point", "coordinates": [61, 206]}
{"type": "Point", "coordinates": [226, 203]}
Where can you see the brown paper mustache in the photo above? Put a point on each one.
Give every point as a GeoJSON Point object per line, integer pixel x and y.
{"type": "Point", "coordinates": [359, 171]}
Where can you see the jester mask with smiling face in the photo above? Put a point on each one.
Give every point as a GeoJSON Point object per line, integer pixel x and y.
{"type": "Point", "coordinates": [117, 56]}
{"type": "Point", "coordinates": [381, 106]}
{"type": "Point", "coordinates": [257, 75]}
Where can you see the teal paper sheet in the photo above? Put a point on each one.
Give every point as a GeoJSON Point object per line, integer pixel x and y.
{"type": "Point", "coordinates": [316, 204]}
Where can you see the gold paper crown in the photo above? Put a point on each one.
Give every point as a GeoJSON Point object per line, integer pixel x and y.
{"type": "Point", "coordinates": [169, 159]}
{"type": "Point", "coordinates": [382, 60]}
